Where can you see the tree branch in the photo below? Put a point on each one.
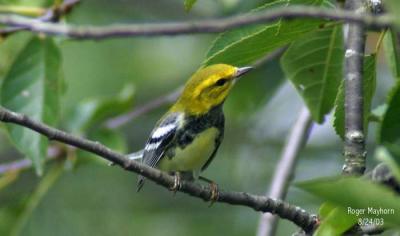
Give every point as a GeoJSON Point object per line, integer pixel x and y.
{"type": "Point", "coordinates": [354, 147]}
{"type": "Point", "coordinates": [259, 203]}
{"type": "Point", "coordinates": [51, 15]}
{"type": "Point", "coordinates": [205, 26]}
{"type": "Point", "coordinates": [285, 169]}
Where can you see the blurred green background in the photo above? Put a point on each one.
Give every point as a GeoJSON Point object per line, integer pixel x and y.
{"type": "Point", "coordinates": [92, 198]}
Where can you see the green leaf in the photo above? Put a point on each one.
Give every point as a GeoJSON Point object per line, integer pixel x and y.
{"type": "Point", "coordinates": [383, 154]}
{"type": "Point", "coordinates": [314, 66]}
{"type": "Point", "coordinates": [245, 45]}
{"type": "Point", "coordinates": [31, 87]}
{"type": "Point", "coordinates": [189, 4]}
{"type": "Point", "coordinates": [355, 193]}
{"type": "Point", "coordinates": [9, 50]}
{"type": "Point", "coordinates": [390, 129]}
{"type": "Point", "coordinates": [392, 52]}
{"type": "Point", "coordinates": [253, 91]}
{"type": "Point", "coordinates": [94, 111]}
{"type": "Point", "coordinates": [336, 223]}
{"type": "Point", "coordinates": [393, 7]}
{"type": "Point", "coordinates": [325, 209]}
{"type": "Point", "coordinates": [369, 86]}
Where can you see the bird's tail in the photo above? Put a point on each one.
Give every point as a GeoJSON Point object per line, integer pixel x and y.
{"type": "Point", "coordinates": [135, 155]}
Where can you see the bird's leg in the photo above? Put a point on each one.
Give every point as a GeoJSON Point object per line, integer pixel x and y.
{"type": "Point", "coordinates": [177, 182]}
{"type": "Point", "coordinates": [213, 188]}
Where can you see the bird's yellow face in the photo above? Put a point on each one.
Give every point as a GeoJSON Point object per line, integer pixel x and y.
{"type": "Point", "coordinates": [209, 87]}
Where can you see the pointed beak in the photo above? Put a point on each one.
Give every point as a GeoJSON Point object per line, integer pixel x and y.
{"type": "Point", "coordinates": [242, 70]}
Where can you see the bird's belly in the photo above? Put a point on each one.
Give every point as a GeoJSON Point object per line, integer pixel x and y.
{"type": "Point", "coordinates": [193, 156]}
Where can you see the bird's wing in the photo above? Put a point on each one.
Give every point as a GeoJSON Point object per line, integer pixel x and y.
{"type": "Point", "coordinates": [161, 137]}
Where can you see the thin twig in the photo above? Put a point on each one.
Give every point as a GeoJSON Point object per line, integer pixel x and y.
{"type": "Point", "coordinates": [205, 26]}
{"type": "Point", "coordinates": [52, 153]}
{"type": "Point", "coordinates": [259, 203]}
{"type": "Point", "coordinates": [354, 146]}
{"type": "Point", "coordinates": [285, 169]}
{"type": "Point", "coordinates": [118, 121]}
{"type": "Point", "coordinates": [51, 15]}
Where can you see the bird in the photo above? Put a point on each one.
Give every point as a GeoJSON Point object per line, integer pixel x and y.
{"type": "Point", "coordinates": [187, 137]}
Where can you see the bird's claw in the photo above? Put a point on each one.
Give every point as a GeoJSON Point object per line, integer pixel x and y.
{"type": "Point", "coordinates": [214, 193]}
{"type": "Point", "coordinates": [177, 183]}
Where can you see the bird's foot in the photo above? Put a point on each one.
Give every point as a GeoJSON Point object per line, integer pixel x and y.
{"type": "Point", "coordinates": [213, 188]}
{"type": "Point", "coordinates": [177, 183]}
{"type": "Point", "coordinates": [214, 193]}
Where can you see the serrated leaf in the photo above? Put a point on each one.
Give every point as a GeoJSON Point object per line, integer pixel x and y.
{"type": "Point", "coordinates": [93, 111]}
{"type": "Point", "coordinates": [189, 4]}
{"type": "Point", "coordinates": [369, 86]}
{"type": "Point", "coordinates": [389, 131]}
{"type": "Point", "coordinates": [392, 52]}
{"type": "Point", "coordinates": [336, 223]}
{"type": "Point", "coordinates": [245, 45]}
{"type": "Point", "coordinates": [314, 66]}
{"type": "Point", "coordinates": [31, 87]}
{"type": "Point", "coordinates": [356, 193]}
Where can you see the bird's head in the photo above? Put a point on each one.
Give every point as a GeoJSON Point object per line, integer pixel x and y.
{"type": "Point", "coordinates": [209, 87]}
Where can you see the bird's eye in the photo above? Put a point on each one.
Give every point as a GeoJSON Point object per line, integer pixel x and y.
{"type": "Point", "coordinates": [221, 82]}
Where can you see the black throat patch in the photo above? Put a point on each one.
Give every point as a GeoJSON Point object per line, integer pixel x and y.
{"type": "Point", "coordinates": [197, 124]}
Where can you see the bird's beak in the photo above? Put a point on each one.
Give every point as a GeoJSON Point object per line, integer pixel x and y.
{"type": "Point", "coordinates": [242, 70]}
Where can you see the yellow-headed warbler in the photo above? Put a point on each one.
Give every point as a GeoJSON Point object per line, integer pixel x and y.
{"type": "Point", "coordinates": [187, 137]}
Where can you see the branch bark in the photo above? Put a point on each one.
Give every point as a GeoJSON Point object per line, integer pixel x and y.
{"type": "Point", "coordinates": [51, 15]}
{"type": "Point", "coordinates": [206, 26]}
{"type": "Point", "coordinates": [354, 146]}
{"type": "Point", "coordinates": [285, 169]}
{"type": "Point", "coordinates": [259, 203]}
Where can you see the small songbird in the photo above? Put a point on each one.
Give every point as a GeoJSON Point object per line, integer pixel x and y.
{"type": "Point", "coordinates": [186, 139]}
